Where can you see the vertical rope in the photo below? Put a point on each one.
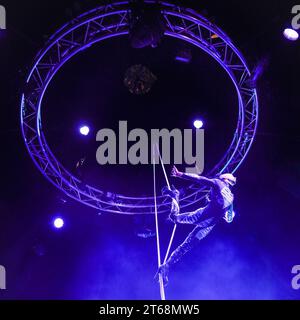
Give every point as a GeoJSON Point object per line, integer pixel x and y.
{"type": "Point", "coordinates": [175, 225]}
{"type": "Point", "coordinates": [161, 284]}
{"type": "Point", "coordinates": [170, 243]}
{"type": "Point", "coordinates": [163, 167]}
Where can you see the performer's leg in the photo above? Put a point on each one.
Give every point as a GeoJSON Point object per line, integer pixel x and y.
{"type": "Point", "coordinates": [189, 217]}
{"type": "Point", "coordinates": [174, 194]}
{"type": "Point", "coordinates": [175, 209]}
{"type": "Point", "coordinates": [189, 243]}
{"type": "Point", "coordinates": [184, 218]}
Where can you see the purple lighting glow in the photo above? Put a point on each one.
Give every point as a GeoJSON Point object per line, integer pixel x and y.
{"type": "Point", "coordinates": [58, 223]}
{"type": "Point", "coordinates": [183, 59]}
{"type": "Point", "coordinates": [198, 124]}
{"type": "Point", "coordinates": [291, 34]}
{"type": "Point", "coordinates": [84, 130]}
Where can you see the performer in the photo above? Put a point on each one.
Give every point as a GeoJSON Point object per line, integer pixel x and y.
{"type": "Point", "coordinates": [220, 206]}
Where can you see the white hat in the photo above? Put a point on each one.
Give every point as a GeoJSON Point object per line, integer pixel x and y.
{"type": "Point", "coordinates": [229, 177]}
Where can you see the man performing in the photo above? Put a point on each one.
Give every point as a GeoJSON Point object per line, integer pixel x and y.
{"type": "Point", "coordinates": [220, 206]}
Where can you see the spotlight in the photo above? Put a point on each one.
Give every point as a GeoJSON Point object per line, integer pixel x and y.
{"type": "Point", "coordinates": [58, 223]}
{"type": "Point", "coordinates": [182, 59]}
{"type": "Point", "coordinates": [84, 130]}
{"type": "Point", "coordinates": [198, 124]}
{"type": "Point", "coordinates": [184, 55]}
{"type": "Point", "coordinates": [291, 34]}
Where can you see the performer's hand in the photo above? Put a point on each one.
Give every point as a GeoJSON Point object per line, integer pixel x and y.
{"type": "Point", "coordinates": [172, 218]}
{"type": "Point", "coordinates": [164, 272]}
{"type": "Point", "coordinates": [175, 172]}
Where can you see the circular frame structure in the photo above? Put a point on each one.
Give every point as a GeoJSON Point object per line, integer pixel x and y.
{"type": "Point", "coordinates": [112, 21]}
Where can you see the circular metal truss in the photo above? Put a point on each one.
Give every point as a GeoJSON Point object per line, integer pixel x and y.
{"type": "Point", "coordinates": [112, 21]}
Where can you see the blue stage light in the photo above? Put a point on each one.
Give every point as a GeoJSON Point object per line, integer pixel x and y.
{"type": "Point", "coordinates": [198, 124]}
{"type": "Point", "coordinates": [58, 223]}
{"type": "Point", "coordinates": [291, 34]}
{"type": "Point", "coordinates": [84, 130]}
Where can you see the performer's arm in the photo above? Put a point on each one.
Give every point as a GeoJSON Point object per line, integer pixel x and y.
{"type": "Point", "coordinates": [191, 176]}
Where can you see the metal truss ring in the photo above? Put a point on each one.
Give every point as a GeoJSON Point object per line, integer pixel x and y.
{"type": "Point", "coordinates": [109, 21]}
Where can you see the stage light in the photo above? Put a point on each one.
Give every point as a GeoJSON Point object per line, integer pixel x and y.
{"type": "Point", "coordinates": [58, 223]}
{"type": "Point", "coordinates": [291, 34]}
{"type": "Point", "coordinates": [84, 130]}
{"type": "Point", "coordinates": [198, 124]}
{"type": "Point", "coordinates": [184, 55]}
{"type": "Point", "coordinates": [182, 59]}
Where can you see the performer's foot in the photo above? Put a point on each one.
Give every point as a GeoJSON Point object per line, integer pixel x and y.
{"type": "Point", "coordinates": [163, 271]}
{"type": "Point", "coordinates": [174, 193]}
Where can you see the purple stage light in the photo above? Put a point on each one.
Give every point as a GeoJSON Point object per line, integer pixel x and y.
{"type": "Point", "coordinates": [183, 59]}
{"type": "Point", "coordinates": [198, 124]}
{"type": "Point", "coordinates": [84, 130]}
{"type": "Point", "coordinates": [184, 54]}
{"type": "Point", "coordinates": [291, 34]}
{"type": "Point", "coordinates": [58, 223]}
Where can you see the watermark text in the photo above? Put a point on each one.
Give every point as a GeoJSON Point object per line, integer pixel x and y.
{"type": "Point", "coordinates": [296, 278]}
{"type": "Point", "coordinates": [137, 147]}
{"type": "Point", "coordinates": [2, 17]}
{"type": "Point", "coordinates": [296, 18]}
{"type": "Point", "coordinates": [2, 278]}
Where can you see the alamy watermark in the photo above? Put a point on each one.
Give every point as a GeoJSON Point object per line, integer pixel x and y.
{"type": "Point", "coordinates": [114, 147]}
{"type": "Point", "coordinates": [296, 18]}
{"type": "Point", "coordinates": [2, 278]}
{"type": "Point", "coordinates": [296, 279]}
{"type": "Point", "coordinates": [2, 17]}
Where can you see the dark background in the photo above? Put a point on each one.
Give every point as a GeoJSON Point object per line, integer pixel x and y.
{"type": "Point", "coordinates": [100, 257]}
